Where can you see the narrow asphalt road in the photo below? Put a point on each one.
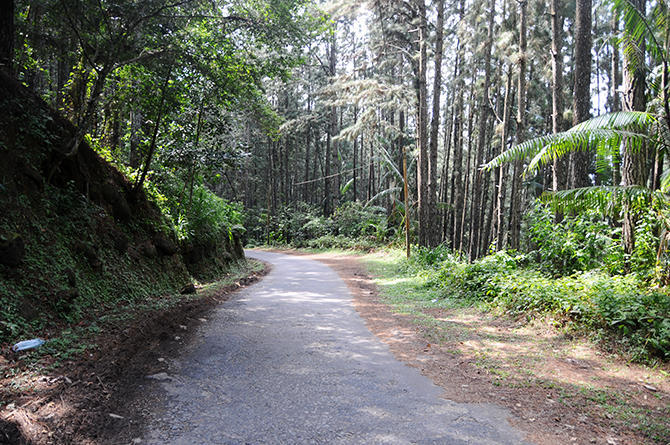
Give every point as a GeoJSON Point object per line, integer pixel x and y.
{"type": "Point", "coordinates": [289, 361]}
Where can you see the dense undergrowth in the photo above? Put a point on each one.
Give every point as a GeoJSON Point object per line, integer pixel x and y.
{"type": "Point", "coordinates": [624, 310]}
{"type": "Point", "coordinates": [352, 226]}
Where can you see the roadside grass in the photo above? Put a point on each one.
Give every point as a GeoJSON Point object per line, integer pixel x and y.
{"type": "Point", "coordinates": [528, 351]}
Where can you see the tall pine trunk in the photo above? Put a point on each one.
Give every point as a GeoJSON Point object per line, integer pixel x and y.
{"type": "Point", "coordinates": [581, 97]}
{"type": "Point", "coordinates": [559, 175]}
{"type": "Point", "coordinates": [422, 127]}
{"type": "Point", "coordinates": [503, 170]}
{"type": "Point", "coordinates": [515, 199]}
{"type": "Point", "coordinates": [484, 112]}
{"type": "Point", "coordinates": [433, 235]}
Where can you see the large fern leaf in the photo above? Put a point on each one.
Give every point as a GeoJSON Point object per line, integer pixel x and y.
{"type": "Point", "coordinates": [603, 133]}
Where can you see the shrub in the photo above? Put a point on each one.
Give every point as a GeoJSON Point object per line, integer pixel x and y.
{"type": "Point", "coordinates": [622, 307]}
{"type": "Point", "coordinates": [578, 243]}
{"type": "Point", "coordinates": [354, 220]}
{"type": "Point", "coordinates": [302, 225]}
{"type": "Point", "coordinates": [198, 217]}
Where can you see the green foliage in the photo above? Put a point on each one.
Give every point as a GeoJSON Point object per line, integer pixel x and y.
{"type": "Point", "coordinates": [578, 243]}
{"type": "Point", "coordinates": [343, 242]}
{"type": "Point", "coordinates": [197, 216]}
{"type": "Point", "coordinates": [352, 219]}
{"type": "Point", "coordinates": [604, 133]}
{"type": "Point", "coordinates": [352, 225]}
{"type": "Point", "coordinates": [621, 308]}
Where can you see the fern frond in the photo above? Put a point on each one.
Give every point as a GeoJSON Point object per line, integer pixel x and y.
{"type": "Point", "coordinates": [606, 200]}
{"type": "Point", "coordinates": [603, 133]}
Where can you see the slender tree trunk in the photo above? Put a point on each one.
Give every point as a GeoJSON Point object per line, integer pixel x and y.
{"type": "Point", "coordinates": [615, 74]}
{"type": "Point", "coordinates": [331, 148]}
{"type": "Point", "coordinates": [371, 177]}
{"type": "Point", "coordinates": [433, 238]}
{"type": "Point", "coordinates": [484, 112]}
{"type": "Point", "coordinates": [315, 167]}
{"type": "Point", "coordinates": [634, 163]}
{"type": "Point", "coordinates": [152, 146]}
{"type": "Point", "coordinates": [515, 200]}
{"type": "Point", "coordinates": [447, 195]}
{"type": "Point", "coordinates": [501, 241]}
{"type": "Point", "coordinates": [580, 161]}
{"type": "Point", "coordinates": [559, 165]}
{"type": "Point", "coordinates": [308, 143]}
{"type": "Point", "coordinates": [422, 128]}
{"type": "Point", "coordinates": [615, 81]}
{"type": "Point", "coordinates": [462, 242]}
{"type": "Point", "coordinates": [456, 198]}
{"type": "Point", "coordinates": [355, 159]}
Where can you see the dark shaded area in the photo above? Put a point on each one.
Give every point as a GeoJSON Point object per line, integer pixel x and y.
{"type": "Point", "coordinates": [75, 244]}
{"type": "Point", "coordinates": [104, 381]}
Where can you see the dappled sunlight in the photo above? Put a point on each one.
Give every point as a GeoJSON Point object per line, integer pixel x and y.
{"type": "Point", "coordinates": [545, 355]}
{"type": "Point", "coordinates": [43, 409]}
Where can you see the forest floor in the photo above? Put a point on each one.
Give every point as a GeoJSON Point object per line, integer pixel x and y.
{"type": "Point", "coordinates": [561, 388]}
{"type": "Point", "coordinates": [76, 397]}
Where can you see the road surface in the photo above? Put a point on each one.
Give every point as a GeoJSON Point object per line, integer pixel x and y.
{"type": "Point", "coordinates": [289, 361]}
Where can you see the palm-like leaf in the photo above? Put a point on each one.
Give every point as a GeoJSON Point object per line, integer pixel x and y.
{"type": "Point", "coordinates": [606, 200]}
{"type": "Point", "coordinates": [382, 194]}
{"type": "Point", "coordinates": [603, 133]}
{"type": "Point", "coordinates": [640, 31]}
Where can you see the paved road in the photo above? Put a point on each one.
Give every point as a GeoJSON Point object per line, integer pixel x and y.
{"type": "Point", "coordinates": [289, 361]}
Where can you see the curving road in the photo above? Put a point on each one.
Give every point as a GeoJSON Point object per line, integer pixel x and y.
{"type": "Point", "coordinates": [289, 361]}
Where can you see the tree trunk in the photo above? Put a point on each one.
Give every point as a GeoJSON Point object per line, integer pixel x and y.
{"type": "Point", "coordinates": [433, 235]}
{"type": "Point", "coordinates": [468, 170]}
{"type": "Point", "coordinates": [634, 163]}
{"type": "Point", "coordinates": [422, 128]}
{"type": "Point", "coordinates": [331, 148]}
{"type": "Point", "coordinates": [456, 197]}
{"type": "Point", "coordinates": [136, 120]}
{"type": "Point", "coordinates": [355, 159]}
{"type": "Point", "coordinates": [484, 112]}
{"type": "Point", "coordinates": [308, 144]}
{"type": "Point", "coordinates": [615, 81]}
{"type": "Point", "coordinates": [152, 146]}
{"type": "Point", "coordinates": [559, 165]}
{"type": "Point", "coordinates": [515, 202]}
{"type": "Point", "coordinates": [501, 241]}
{"type": "Point", "coordinates": [581, 97]}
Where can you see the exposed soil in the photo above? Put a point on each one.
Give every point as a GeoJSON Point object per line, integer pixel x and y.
{"type": "Point", "coordinates": [85, 400]}
{"type": "Point", "coordinates": [559, 389]}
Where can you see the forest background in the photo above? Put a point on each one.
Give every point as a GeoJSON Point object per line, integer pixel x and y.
{"type": "Point", "coordinates": [518, 145]}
